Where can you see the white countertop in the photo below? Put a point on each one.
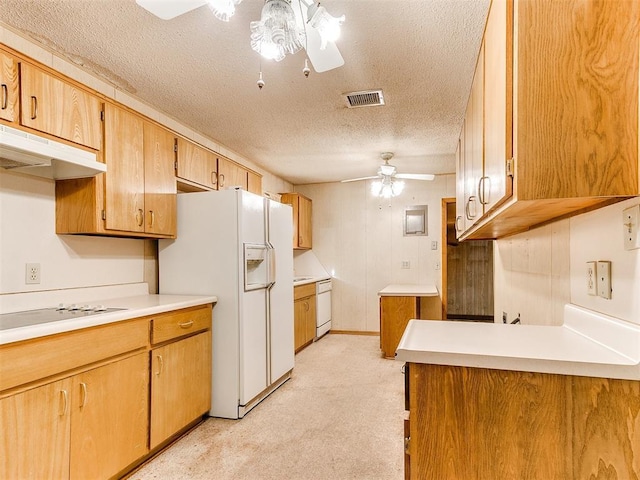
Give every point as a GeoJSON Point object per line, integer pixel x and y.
{"type": "Point", "coordinates": [400, 290]}
{"type": "Point", "coordinates": [305, 279]}
{"type": "Point", "coordinates": [136, 306]}
{"type": "Point", "coordinates": [587, 344]}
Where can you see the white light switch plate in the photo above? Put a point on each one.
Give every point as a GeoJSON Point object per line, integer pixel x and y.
{"type": "Point", "coordinates": [604, 279]}
{"type": "Point", "coordinates": [630, 220]}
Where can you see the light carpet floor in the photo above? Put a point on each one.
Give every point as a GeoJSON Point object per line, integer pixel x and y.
{"type": "Point", "coordinates": [339, 417]}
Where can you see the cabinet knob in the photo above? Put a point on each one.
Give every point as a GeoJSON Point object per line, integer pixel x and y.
{"type": "Point", "coordinates": [188, 324]}
{"type": "Point", "coordinates": [160, 365]}
{"type": "Point", "coordinates": [221, 180]}
{"type": "Point", "coordinates": [152, 218]}
{"type": "Point", "coordinates": [140, 217]}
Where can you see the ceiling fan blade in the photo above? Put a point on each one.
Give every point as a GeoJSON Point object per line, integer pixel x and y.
{"type": "Point", "coordinates": [358, 179]}
{"type": "Point", "coordinates": [168, 9]}
{"type": "Point", "coordinates": [415, 176]}
{"type": "Point", "coordinates": [322, 60]}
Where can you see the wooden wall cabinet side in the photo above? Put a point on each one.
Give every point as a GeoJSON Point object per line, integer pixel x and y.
{"type": "Point", "coordinates": [584, 155]}
{"type": "Point", "coordinates": [254, 183]}
{"type": "Point", "coordinates": [10, 93]}
{"type": "Point", "coordinates": [196, 167]}
{"type": "Point", "coordinates": [59, 108]}
{"type": "Point", "coordinates": [35, 427]}
{"type": "Point", "coordinates": [180, 385]}
{"type": "Point", "coordinates": [476, 423]}
{"type": "Point", "coordinates": [302, 216]}
{"type": "Point", "coordinates": [304, 315]}
{"type": "Point", "coordinates": [160, 193]}
{"type": "Point", "coordinates": [110, 418]}
{"type": "Point", "coordinates": [459, 223]}
{"type": "Point", "coordinates": [230, 174]}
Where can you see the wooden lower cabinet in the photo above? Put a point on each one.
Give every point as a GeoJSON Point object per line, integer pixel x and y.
{"type": "Point", "coordinates": [395, 313]}
{"type": "Point", "coordinates": [35, 432]}
{"type": "Point", "coordinates": [304, 315]}
{"type": "Point", "coordinates": [480, 424]}
{"type": "Point", "coordinates": [180, 385]}
{"type": "Point", "coordinates": [109, 418]}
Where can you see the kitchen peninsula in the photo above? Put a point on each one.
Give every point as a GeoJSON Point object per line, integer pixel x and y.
{"type": "Point", "coordinates": [398, 304]}
{"type": "Point", "coordinates": [523, 401]}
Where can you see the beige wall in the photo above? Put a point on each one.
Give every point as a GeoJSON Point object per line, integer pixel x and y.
{"type": "Point", "coordinates": [537, 272]}
{"type": "Point", "coordinates": [359, 240]}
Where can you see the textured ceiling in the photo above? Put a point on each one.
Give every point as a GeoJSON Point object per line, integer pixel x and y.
{"type": "Point", "coordinates": [202, 71]}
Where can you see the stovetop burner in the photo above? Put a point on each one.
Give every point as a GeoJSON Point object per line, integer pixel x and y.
{"type": "Point", "coordinates": [46, 315]}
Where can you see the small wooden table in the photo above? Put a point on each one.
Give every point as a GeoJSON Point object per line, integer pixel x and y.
{"type": "Point", "coordinates": [401, 303]}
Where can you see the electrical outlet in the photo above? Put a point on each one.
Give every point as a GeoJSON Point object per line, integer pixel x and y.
{"type": "Point", "coordinates": [592, 279]}
{"type": "Point", "coordinates": [604, 279]}
{"type": "Point", "coordinates": [631, 221]}
{"type": "Point", "coordinates": [436, 265]}
{"type": "Point", "coordinates": [32, 273]}
{"type": "Point", "coordinates": [406, 264]}
{"type": "Point", "coordinates": [434, 244]}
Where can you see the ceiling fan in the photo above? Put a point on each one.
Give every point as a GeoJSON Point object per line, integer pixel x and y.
{"type": "Point", "coordinates": [389, 171]}
{"type": "Point", "coordinates": [315, 31]}
{"type": "Point", "coordinates": [387, 184]}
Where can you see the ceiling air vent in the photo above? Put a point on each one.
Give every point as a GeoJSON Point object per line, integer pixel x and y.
{"type": "Point", "coordinates": [368, 98]}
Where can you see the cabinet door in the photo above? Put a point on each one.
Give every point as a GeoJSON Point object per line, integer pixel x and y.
{"type": "Point", "coordinates": [299, 323]}
{"type": "Point", "coordinates": [180, 385]}
{"type": "Point", "coordinates": [460, 197]}
{"type": "Point", "coordinates": [9, 85]}
{"type": "Point", "coordinates": [159, 180]}
{"type": "Point", "coordinates": [231, 174]}
{"type": "Point", "coordinates": [59, 108]}
{"type": "Point", "coordinates": [35, 432]}
{"type": "Point", "coordinates": [197, 165]}
{"type": "Point", "coordinates": [109, 420]}
{"type": "Point", "coordinates": [310, 321]}
{"type": "Point", "coordinates": [304, 222]}
{"type": "Point", "coordinates": [254, 183]}
{"type": "Point", "coordinates": [497, 103]}
{"type": "Point", "coordinates": [124, 180]}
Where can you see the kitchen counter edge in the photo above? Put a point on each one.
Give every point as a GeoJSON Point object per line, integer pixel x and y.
{"type": "Point", "coordinates": [134, 307]}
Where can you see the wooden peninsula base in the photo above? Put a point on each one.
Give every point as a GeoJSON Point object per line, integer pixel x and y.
{"type": "Point", "coordinates": [476, 423]}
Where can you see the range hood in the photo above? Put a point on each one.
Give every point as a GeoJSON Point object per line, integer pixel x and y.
{"type": "Point", "coordinates": [27, 153]}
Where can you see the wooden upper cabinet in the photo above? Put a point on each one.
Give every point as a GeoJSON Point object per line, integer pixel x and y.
{"type": "Point", "coordinates": [9, 83]}
{"type": "Point", "coordinates": [496, 183]}
{"type": "Point", "coordinates": [254, 183]}
{"type": "Point", "coordinates": [560, 111]}
{"type": "Point", "coordinates": [160, 192]}
{"type": "Point", "coordinates": [124, 181]}
{"type": "Point", "coordinates": [302, 238]}
{"type": "Point", "coordinates": [59, 108]}
{"type": "Point", "coordinates": [196, 166]}
{"type": "Point", "coordinates": [231, 174]}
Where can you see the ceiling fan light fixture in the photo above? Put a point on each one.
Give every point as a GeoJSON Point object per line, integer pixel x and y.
{"type": "Point", "coordinates": [223, 9]}
{"type": "Point", "coordinates": [387, 187]}
{"type": "Point", "coordinates": [327, 25]}
{"type": "Point", "coordinates": [276, 33]}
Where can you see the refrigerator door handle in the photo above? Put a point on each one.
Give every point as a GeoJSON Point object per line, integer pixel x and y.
{"type": "Point", "coordinates": [271, 266]}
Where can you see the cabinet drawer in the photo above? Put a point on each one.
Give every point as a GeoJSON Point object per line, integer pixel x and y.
{"type": "Point", "coordinates": [182, 322]}
{"type": "Point", "coordinates": [31, 360]}
{"type": "Point", "coordinates": [304, 291]}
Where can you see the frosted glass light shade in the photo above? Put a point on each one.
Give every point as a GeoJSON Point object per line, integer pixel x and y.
{"type": "Point", "coordinates": [223, 9]}
{"type": "Point", "coordinates": [387, 187]}
{"type": "Point", "coordinates": [277, 32]}
{"type": "Point", "coordinates": [327, 25]}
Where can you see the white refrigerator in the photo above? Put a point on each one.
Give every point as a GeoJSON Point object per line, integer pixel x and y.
{"type": "Point", "coordinates": [237, 246]}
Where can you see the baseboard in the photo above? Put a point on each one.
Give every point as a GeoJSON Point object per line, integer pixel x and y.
{"type": "Point", "coordinates": [354, 332]}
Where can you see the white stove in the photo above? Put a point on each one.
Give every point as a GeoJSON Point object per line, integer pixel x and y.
{"type": "Point", "coordinates": [53, 314]}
